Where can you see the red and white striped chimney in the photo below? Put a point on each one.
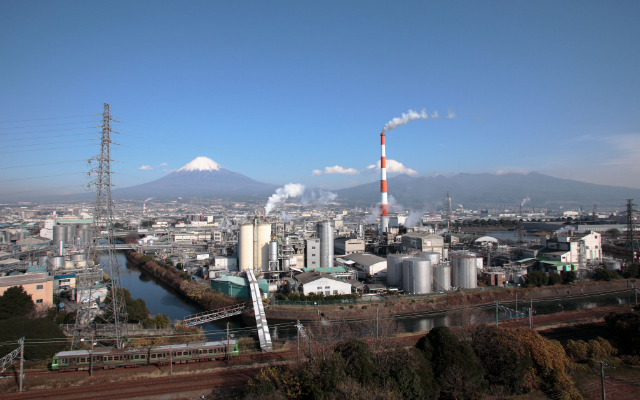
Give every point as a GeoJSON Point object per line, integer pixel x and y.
{"type": "Point", "coordinates": [384, 207]}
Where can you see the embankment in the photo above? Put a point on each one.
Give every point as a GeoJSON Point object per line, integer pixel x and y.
{"type": "Point", "coordinates": [450, 301]}
{"type": "Point", "coordinates": [199, 294]}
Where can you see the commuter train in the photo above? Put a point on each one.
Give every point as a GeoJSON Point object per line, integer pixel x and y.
{"type": "Point", "coordinates": [106, 358]}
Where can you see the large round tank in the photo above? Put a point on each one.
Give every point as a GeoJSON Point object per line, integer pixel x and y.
{"type": "Point", "coordinates": [464, 270]}
{"type": "Point", "coordinates": [22, 235]}
{"type": "Point", "coordinates": [245, 250]}
{"type": "Point", "coordinates": [441, 277]}
{"type": "Point", "coordinates": [77, 240]}
{"type": "Point", "coordinates": [394, 269]}
{"type": "Point", "coordinates": [42, 261]}
{"type": "Point", "coordinates": [71, 232]}
{"type": "Point", "coordinates": [264, 235]}
{"type": "Point", "coordinates": [445, 254]}
{"type": "Point", "coordinates": [416, 276]}
{"type": "Point", "coordinates": [325, 233]}
{"type": "Point", "coordinates": [59, 234]}
{"type": "Point", "coordinates": [79, 257]}
{"type": "Point", "coordinates": [57, 262]}
{"type": "Point", "coordinates": [285, 264]}
{"type": "Point", "coordinates": [431, 256]}
{"type": "Point", "coordinates": [612, 265]}
{"type": "Point", "coordinates": [273, 251]}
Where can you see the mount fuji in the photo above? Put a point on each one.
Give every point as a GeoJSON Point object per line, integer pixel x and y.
{"type": "Point", "coordinates": [202, 177]}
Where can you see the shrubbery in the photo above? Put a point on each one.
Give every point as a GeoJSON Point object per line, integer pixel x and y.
{"type": "Point", "coordinates": [536, 278]}
{"type": "Point", "coordinates": [14, 328]}
{"type": "Point", "coordinates": [15, 302]}
{"type": "Point", "coordinates": [624, 332]}
{"type": "Point", "coordinates": [603, 274]}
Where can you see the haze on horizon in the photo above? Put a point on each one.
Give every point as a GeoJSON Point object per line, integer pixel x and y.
{"type": "Point", "coordinates": [299, 92]}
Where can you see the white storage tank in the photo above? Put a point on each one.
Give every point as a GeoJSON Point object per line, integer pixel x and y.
{"type": "Point", "coordinates": [612, 265]}
{"type": "Point", "coordinates": [431, 256]}
{"type": "Point", "coordinates": [416, 276]}
{"type": "Point", "coordinates": [57, 262]}
{"type": "Point", "coordinates": [71, 232]}
{"type": "Point", "coordinates": [464, 270]}
{"type": "Point", "coordinates": [245, 250]}
{"type": "Point", "coordinates": [441, 277]}
{"type": "Point", "coordinates": [394, 269]}
{"type": "Point", "coordinates": [273, 251]}
{"type": "Point", "coordinates": [264, 236]}
{"type": "Point", "coordinates": [59, 235]}
{"type": "Point", "coordinates": [479, 265]}
{"type": "Point", "coordinates": [324, 231]}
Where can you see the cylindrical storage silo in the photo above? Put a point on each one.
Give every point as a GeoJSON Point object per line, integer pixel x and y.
{"type": "Point", "coordinates": [273, 251]}
{"type": "Point", "coordinates": [79, 257]}
{"type": "Point", "coordinates": [285, 264]}
{"type": "Point", "coordinates": [59, 235]}
{"type": "Point", "coordinates": [22, 235]}
{"type": "Point", "coordinates": [445, 254]}
{"type": "Point", "coordinates": [394, 269]}
{"type": "Point", "coordinates": [245, 248]}
{"type": "Point", "coordinates": [612, 265]}
{"type": "Point", "coordinates": [464, 270]}
{"type": "Point", "coordinates": [77, 240]}
{"type": "Point", "coordinates": [264, 235]}
{"type": "Point", "coordinates": [71, 232]}
{"type": "Point", "coordinates": [431, 256]}
{"type": "Point", "coordinates": [325, 233]}
{"type": "Point", "coordinates": [441, 277]}
{"type": "Point", "coordinates": [416, 276]}
{"type": "Point", "coordinates": [42, 261]}
{"type": "Point", "coordinates": [57, 262]}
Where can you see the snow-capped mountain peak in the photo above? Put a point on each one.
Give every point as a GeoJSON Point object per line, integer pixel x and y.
{"type": "Point", "coordinates": [201, 164]}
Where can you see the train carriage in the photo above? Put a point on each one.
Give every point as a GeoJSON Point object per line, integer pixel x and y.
{"type": "Point", "coordinates": [105, 358]}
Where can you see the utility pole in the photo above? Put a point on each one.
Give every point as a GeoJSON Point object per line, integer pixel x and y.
{"type": "Point", "coordinates": [228, 352]}
{"type": "Point", "coordinates": [496, 313]}
{"type": "Point", "coordinates": [170, 361]}
{"type": "Point", "coordinates": [516, 306]}
{"type": "Point", "coordinates": [21, 342]}
{"type": "Point", "coordinates": [91, 363]}
{"type": "Point", "coordinates": [531, 314]}
{"type": "Point", "coordinates": [631, 229]}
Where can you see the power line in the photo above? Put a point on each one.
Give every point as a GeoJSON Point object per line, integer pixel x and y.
{"type": "Point", "coordinates": [38, 165]}
{"type": "Point", "coordinates": [43, 119]}
{"type": "Point", "coordinates": [47, 137]}
{"type": "Point", "coordinates": [50, 148]}
{"type": "Point", "coordinates": [40, 177]}
{"type": "Point", "coordinates": [37, 126]}
{"type": "Point", "coordinates": [46, 144]}
{"type": "Point", "coordinates": [50, 130]}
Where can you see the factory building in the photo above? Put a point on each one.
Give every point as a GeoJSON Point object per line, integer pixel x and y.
{"type": "Point", "coordinates": [368, 265]}
{"type": "Point", "coordinates": [236, 286]}
{"type": "Point", "coordinates": [422, 241]}
{"type": "Point", "coordinates": [38, 285]}
{"type": "Point", "coordinates": [565, 253]}
{"type": "Point", "coordinates": [344, 246]}
{"type": "Point", "coordinates": [319, 283]}
{"type": "Point", "coordinates": [312, 253]}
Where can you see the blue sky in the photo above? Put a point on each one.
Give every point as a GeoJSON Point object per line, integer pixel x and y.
{"type": "Point", "coordinates": [276, 90]}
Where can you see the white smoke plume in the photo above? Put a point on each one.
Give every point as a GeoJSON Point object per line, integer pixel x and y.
{"type": "Point", "coordinates": [317, 195]}
{"type": "Point", "coordinates": [405, 119]}
{"type": "Point", "coordinates": [150, 198]}
{"type": "Point", "coordinates": [435, 115]}
{"type": "Point", "coordinates": [460, 205]}
{"type": "Point", "coordinates": [451, 115]}
{"type": "Point", "coordinates": [289, 190]}
{"type": "Point", "coordinates": [393, 205]}
{"type": "Point", "coordinates": [561, 207]}
{"type": "Point", "coordinates": [375, 214]}
{"type": "Point", "coordinates": [414, 218]}
{"type": "Point", "coordinates": [284, 217]}
{"type": "Point", "coordinates": [524, 201]}
{"type": "Point", "coordinates": [440, 232]}
{"type": "Point", "coordinates": [566, 229]}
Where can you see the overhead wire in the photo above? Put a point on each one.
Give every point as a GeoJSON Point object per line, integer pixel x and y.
{"type": "Point", "coordinates": [41, 177]}
{"type": "Point", "coordinates": [50, 130]}
{"type": "Point", "coordinates": [50, 148]}
{"type": "Point", "coordinates": [38, 126]}
{"type": "Point", "coordinates": [41, 190]}
{"type": "Point", "coordinates": [38, 165]}
{"type": "Point", "coordinates": [46, 144]}
{"type": "Point", "coordinates": [44, 119]}
{"type": "Point", "coordinates": [47, 137]}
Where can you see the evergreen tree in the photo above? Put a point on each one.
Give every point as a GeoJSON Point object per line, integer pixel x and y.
{"type": "Point", "coordinates": [15, 302]}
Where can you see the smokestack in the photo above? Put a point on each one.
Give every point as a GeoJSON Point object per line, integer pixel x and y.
{"type": "Point", "coordinates": [144, 208]}
{"type": "Point", "coordinates": [384, 207]}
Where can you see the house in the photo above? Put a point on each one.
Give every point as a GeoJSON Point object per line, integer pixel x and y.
{"type": "Point", "coordinates": [319, 283]}
{"type": "Point", "coordinates": [39, 285]}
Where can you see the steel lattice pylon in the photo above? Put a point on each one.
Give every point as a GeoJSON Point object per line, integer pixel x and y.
{"type": "Point", "coordinates": [631, 228]}
{"type": "Point", "coordinates": [103, 221]}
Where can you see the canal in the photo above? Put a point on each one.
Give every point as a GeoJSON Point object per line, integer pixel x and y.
{"type": "Point", "coordinates": [161, 298]}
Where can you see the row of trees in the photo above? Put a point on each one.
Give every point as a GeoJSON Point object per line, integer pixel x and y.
{"type": "Point", "coordinates": [495, 361]}
{"type": "Point", "coordinates": [538, 278]}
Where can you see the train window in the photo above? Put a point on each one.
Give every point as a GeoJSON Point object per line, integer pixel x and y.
{"type": "Point", "coordinates": [63, 361]}
{"type": "Point", "coordinates": [143, 356]}
{"type": "Point", "coordinates": [153, 356]}
{"type": "Point", "coordinates": [136, 357]}
{"type": "Point", "coordinates": [72, 360]}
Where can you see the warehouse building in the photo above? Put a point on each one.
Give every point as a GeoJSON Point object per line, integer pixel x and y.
{"type": "Point", "coordinates": [319, 283]}
{"type": "Point", "coordinates": [368, 265]}
{"type": "Point", "coordinates": [422, 241]}
{"type": "Point", "coordinates": [345, 246]}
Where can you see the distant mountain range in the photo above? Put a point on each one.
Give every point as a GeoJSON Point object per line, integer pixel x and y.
{"type": "Point", "coordinates": [484, 190]}
{"type": "Point", "coordinates": [202, 177]}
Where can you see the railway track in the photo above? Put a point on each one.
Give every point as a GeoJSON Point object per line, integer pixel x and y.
{"type": "Point", "coordinates": [144, 388]}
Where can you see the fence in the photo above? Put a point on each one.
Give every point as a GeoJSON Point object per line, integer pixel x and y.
{"type": "Point", "coordinates": [314, 303]}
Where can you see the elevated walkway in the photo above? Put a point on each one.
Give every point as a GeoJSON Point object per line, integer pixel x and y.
{"type": "Point", "coordinates": [261, 319]}
{"type": "Point", "coordinates": [208, 316]}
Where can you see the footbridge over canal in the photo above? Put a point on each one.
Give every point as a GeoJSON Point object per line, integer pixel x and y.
{"type": "Point", "coordinates": [256, 305]}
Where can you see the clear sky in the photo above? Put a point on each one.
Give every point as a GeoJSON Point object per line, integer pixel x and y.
{"type": "Point", "coordinates": [275, 90]}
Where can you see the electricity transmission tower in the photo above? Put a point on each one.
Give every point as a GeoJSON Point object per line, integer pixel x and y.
{"type": "Point", "coordinates": [631, 229]}
{"type": "Point", "coordinates": [103, 222]}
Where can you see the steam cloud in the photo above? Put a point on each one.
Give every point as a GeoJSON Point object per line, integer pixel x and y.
{"type": "Point", "coordinates": [442, 231]}
{"type": "Point", "coordinates": [566, 229]}
{"type": "Point", "coordinates": [289, 190]}
{"type": "Point", "coordinates": [394, 206]}
{"type": "Point", "coordinates": [414, 218]}
{"type": "Point", "coordinates": [524, 201]}
{"type": "Point", "coordinates": [284, 217]}
{"type": "Point", "coordinates": [150, 198]}
{"type": "Point", "coordinates": [299, 190]}
{"type": "Point", "coordinates": [405, 119]}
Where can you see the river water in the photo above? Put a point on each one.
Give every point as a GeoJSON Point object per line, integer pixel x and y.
{"type": "Point", "coordinates": [161, 298]}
